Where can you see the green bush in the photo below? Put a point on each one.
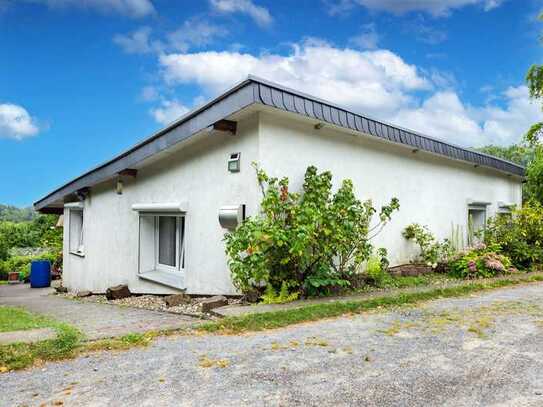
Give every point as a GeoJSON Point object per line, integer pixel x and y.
{"type": "Point", "coordinates": [520, 235]}
{"type": "Point", "coordinates": [479, 262]}
{"type": "Point", "coordinates": [431, 251]}
{"type": "Point", "coordinates": [312, 241]}
{"type": "Point", "coordinates": [21, 264]}
{"type": "Point", "coordinates": [377, 268]}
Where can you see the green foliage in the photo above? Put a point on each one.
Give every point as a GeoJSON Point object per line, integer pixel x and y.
{"type": "Point", "coordinates": [21, 264]}
{"type": "Point", "coordinates": [517, 153]}
{"type": "Point", "coordinates": [520, 235]}
{"type": "Point", "coordinates": [272, 297]}
{"type": "Point", "coordinates": [377, 268]}
{"type": "Point", "coordinates": [14, 214]}
{"type": "Point", "coordinates": [480, 261]}
{"type": "Point", "coordinates": [40, 232]}
{"type": "Point", "coordinates": [313, 240]}
{"type": "Point", "coordinates": [534, 174]}
{"type": "Point", "coordinates": [533, 189]}
{"type": "Point", "coordinates": [431, 251]}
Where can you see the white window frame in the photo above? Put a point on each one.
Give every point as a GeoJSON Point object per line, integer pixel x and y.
{"type": "Point", "coordinates": [179, 244]}
{"type": "Point", "coordinates": [80, 250]}
{"type": "Point", "coordinates": [148, 266]}
{"type": "Point", "coordinates": [476, 207]}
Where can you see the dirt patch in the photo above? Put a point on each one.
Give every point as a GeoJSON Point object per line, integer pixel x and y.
{"type": "Point", "coordinates": [477, 320]}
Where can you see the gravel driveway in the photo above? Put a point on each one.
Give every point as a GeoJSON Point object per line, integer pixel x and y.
{"type": "Point", "coordinates": [483, 350]}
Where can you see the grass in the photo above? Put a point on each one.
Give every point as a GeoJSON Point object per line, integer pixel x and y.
{"type": "Point", "coordinates": [479, 320]}
{"type": "Point", "coordinates": [18, 319]}
{"type": "Point", "coordinates": [20, 355]}
{"type": "Point", "coordinates": [390, 282]}
{"type": "Point", "coordinates": [121, 343]}
{"type": "Point", "coordinates": [278, 319]}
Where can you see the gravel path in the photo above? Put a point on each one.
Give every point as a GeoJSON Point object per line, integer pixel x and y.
{"type": "Point", "coordinates": [482, 350]}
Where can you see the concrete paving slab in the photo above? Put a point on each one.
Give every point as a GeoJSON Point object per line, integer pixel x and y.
{"type": "Point", "coordinates": [95, 321]}
{"type": "Point", "coordinates": [27, 336]}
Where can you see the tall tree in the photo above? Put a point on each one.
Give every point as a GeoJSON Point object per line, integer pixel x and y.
{"type": "Point", "coordinates": [534, 171]}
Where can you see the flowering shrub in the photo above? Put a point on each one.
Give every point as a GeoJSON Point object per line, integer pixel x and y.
{"type": "Point", "coordinates": [308, 242]}
{"type": "Point", "coordinates": [431, 251]}
{"type": "Point", "coordinates": [480, 261]}
{"type": "Point", "coordinates": [519, 235]}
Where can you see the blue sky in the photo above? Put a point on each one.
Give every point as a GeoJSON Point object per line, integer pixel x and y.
{"type": "Point", "coordinates": [82, 80]}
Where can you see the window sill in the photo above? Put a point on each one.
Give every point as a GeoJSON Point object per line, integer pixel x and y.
{"type": "Point", "coordinates": [167, 278]}
{"type": "Point", "coordinates": [78, 254]}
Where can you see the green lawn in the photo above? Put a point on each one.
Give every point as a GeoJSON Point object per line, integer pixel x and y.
{"type": "Point", "coordinates": [17, 319]}
{"type": "Point", "coordinates": [20, 355]}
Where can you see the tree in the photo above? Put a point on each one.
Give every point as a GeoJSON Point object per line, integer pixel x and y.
{"type": "Point", "coordinates": [534, 173]}
{"type": "Point", "coordinates": [518, 153]}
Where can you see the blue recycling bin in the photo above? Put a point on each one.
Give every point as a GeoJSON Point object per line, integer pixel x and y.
{"type": "Point", "coordinates": [40, 274]}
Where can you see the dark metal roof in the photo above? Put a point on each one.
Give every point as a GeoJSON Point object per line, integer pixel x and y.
{"type": "Point", "coordinates": [290, 100]}
{"type": "Point", "coordinates": [255, 90]}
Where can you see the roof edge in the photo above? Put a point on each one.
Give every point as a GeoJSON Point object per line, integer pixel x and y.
{"type": "Point", "coordinates": [240, 96]}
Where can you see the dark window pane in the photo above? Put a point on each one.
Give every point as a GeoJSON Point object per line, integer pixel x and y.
{"type": "Point", "coordinates": [166, 240]}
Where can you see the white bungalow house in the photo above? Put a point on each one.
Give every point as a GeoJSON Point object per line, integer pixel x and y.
{"type": "Point", "coordinates": [149, 217]}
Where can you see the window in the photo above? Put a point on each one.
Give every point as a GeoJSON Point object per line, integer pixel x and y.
{"type": "Point", "coordinates": [476, 223]}
{"type": "Point", "coordinates": [504, 210]}
{"type": "Point", "coordinates": [76, 232]}
{"type": "Point", "coordinates": [161, 243]}
{"type": "Point", "coordinates": [169, 237]}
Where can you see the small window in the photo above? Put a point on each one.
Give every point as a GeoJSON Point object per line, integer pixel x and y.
{"type": "Point", "coordinates": [476, 224]}
{"type": "Point", "coordinates": [169, 248]}
{"type": "Point", "coordinates": [505, 210]}
{"type": "Point", "coordinates": [76, 241]}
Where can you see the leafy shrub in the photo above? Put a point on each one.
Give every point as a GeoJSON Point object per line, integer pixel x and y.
{"type": "Point", "coordinates": [312, 241]}
{"type": "Point", "coordinates": [520, 235]}
{"type": "Point", "coordinates": [377, 268]}
{"type": "Point", "coordinates": [480, 261]}
{"type": "Point", "coordinates": [272, 297]}
{"type": "Point", "coordinates": [21, 264]}
{"type": "Point", "coordinates": [431, 251]}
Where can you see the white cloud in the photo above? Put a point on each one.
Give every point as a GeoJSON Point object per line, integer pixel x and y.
{"type": "Point", "coordinates": [259, 14]}
{"type": "Point", "coordinates": [371, 81]}
{"type": "Point", "coordinates": [437, 8]}
{"type": "Point", "coordinates": [168, 111]}
{"type": "Point", "coordinates": [138, 42]}
{"type": "Point", "coordinates": [130, 8]}
{"type": "Point", "coordinates": [444, 116]}
{"type": "Point", "coordinates": [195, 32]}
{"type": "Point", "coordinates": [377, 83]}
{"type": "Point", "coordinates": [149, 94]}
{"type": "Point", "coordinates": [508, 124]}
{"type": "Point", "coordinates": [16, 122]}
{"type": "Point", "coordinates": [367, 39]}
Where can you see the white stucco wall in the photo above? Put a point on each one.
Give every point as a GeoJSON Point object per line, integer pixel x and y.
{"type": "Point", "coordinates": [432, 191]}
{"type": "Point", "coordinates": [196, 174]}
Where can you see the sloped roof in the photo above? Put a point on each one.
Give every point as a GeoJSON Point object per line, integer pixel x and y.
{"type": "Point", "coordinates": [255, 90]}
